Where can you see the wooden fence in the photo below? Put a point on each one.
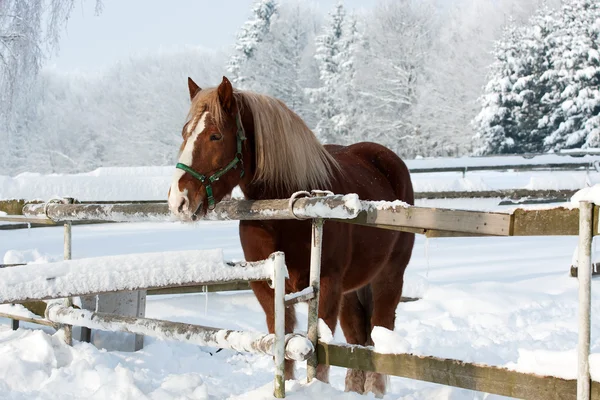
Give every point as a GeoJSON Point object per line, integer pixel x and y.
{"type": "Point", "coordinates": [99, 275]}
{"type": "Point", "coordinates": [433, 222]}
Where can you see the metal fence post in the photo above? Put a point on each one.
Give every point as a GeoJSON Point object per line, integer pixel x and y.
{"type": "Point", "coordinates": [68, 329]}
{"type": "Point", "coordinates": [584, 272]}
{"type": "Point", "coordinates": [313, 304]}
{"type": "Point", "coordinates": [279, 346]}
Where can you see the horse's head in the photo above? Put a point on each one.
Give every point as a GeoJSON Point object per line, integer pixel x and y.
{"type": "Point", "coordinates": [210, 159]}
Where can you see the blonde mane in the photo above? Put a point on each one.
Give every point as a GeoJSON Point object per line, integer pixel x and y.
{"type": "Point", "coordinates": [288, 155]}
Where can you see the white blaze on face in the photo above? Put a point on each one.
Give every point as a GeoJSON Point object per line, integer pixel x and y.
{"type": "Point", "coordinates": [176, 196]}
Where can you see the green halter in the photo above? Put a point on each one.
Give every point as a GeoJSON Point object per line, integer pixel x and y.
{"type": "Point", "coordinates": [207, 181]}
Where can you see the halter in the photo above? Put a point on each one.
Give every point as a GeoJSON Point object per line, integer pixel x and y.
{"type": "Point", "coordinates": [207, 181]}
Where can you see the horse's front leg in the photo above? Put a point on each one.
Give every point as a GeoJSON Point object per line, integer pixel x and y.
{"type": "Point", "coordinates": [266, 298]}
{"type": "Point", "coordinates": [329, 307]}
{"type": "Point", "coordinates": [258, 243]}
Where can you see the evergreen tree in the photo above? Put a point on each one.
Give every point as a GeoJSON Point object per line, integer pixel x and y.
{"type": "Point", "coordinates": [513, 103]}
{"type": "Point", "coordinates": [544, 91]}
{"type": "Point", "coordinates": [250, 36]}
{"type": "Point", "coordinates": [575, 78]}
{"type": "Point", "coordinates": [283, 65]}
{"type": "Point", "coordinates": [336, 98]}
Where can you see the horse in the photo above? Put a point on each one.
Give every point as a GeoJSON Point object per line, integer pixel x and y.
{"type": "Point", "coordinates": [240, 138]}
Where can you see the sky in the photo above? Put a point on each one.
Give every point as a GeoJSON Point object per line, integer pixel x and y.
{"type": "Point", "coordinates": [127, 27]}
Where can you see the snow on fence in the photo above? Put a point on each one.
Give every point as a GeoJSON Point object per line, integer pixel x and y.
{"type": "Point", "coordinates": [91, 276]}
{"type": "Point", "coordinates": [399, 216]}
{"type": "Point", "coordinates": [84, 277]}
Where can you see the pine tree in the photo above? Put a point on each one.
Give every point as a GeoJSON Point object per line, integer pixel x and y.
{"type": "Point", "coordinates": [250, 36]}
{"type": "Point", "coordinates": [337, 97]}
{"type": "Point", "coordinates": [575, 78]}
{"type": "Point", "coordinates": [283, 64]}
{"type": "Point", "coordinates": [513, 103]}
{"type": "Point", "coordinates": [544, 91]}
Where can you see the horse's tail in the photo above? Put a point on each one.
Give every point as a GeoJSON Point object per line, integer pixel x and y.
{"type": "Point", "coordinates": [365, 297]}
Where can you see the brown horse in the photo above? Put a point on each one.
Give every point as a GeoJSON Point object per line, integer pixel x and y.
{"type": "Point", "coordinates": [235, 137]}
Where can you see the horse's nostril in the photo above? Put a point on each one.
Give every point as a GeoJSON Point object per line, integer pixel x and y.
{"type": "Point", "coordinates": [182, 205]}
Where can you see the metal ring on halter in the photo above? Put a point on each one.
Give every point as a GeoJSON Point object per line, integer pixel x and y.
{"type": "Point", "coordinates": [293, 199]}
{"type": "Point", "coordinates": [58, 200]}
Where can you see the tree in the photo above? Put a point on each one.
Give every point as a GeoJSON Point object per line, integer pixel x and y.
{"type": "Point", "coordinates": [574, 77]}
{"type": "Point", "coordinates": [336, 96]}
{"type": "Point", "coordinates": [513, 105]}
{"type": "Point", "coordinates": [544, 88]}
{"type": "Point", "coordinates": [398, 36]}
{"type": "Point", "coordinates": [29, 32]}
{"type": "Point", "coordinates": [249, 38]}
{"type": "Point", "coordinates": [283, 65]}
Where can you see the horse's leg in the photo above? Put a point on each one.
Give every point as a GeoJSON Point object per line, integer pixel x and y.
{"type": "Point", "coordinates": [355, 320]}
{"type": "Point", "coordinates": [258, 243]}
{"type": "Point", "coordinates": [329, 306]}
{"type": "Point", "coordinates": [386, 294]}
{"type": "Point", "coordinates": [266, 298]}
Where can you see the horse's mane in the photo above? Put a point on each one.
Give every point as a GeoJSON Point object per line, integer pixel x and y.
{"type": "Point", "coordinates": [288, 155]}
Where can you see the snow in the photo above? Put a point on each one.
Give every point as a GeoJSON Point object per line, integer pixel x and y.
{"type": "Point", "coordinates": [292, 296]}
{"type": "Point", "coordinates": [152, 183]}
{"type": "Point", "coordinates": [507, 302]}
{"type": "Point", "coordinates": [348, 210]}
{"type": "Point", "coordinates": [384, 205]}
{"type": "Point", "coordinates": [591, 194]}
{"type": "Point", "coordinates": [125, 272]}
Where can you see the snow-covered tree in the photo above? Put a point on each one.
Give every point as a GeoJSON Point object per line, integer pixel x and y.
{"type": "Point", "coordinates": [283, 64]}
{"type": "Point", "coordinates": [398, 37]}
{"type": "Point", "coordinates": [336, 98]}
{"type": "Point", "coordinates": [512, 104]}
{"type": "Point", "coordinates": [252, 33]}
{"type": "Point", "coordinates": [574, 77]}
{"type": "Point", "coordinates": [80, 123]}
{"type": "Point", "coordinates": [543, 92]}
{"type": "Point", "coordinates": [29, 32]}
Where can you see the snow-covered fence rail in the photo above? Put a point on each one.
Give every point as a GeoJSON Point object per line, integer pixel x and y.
{"type": "Point", "coordinates": [84, 277]}
{"type": "Point", "coordinates": [91, 276]}
{"type": "Point", "coordinates": [456, 373]}
{"type": "Point", "coordinates": [337, 206]}
{"type": "Point", "coordinates": [395, 216]}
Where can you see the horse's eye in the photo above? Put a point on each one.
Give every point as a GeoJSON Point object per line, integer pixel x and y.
{"type": "Point", "coordinates": [216, 136]}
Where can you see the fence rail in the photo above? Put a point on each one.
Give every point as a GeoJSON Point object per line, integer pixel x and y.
{"type": "Point", "coordinates": [429, 221]}
{"type": "Point", "coordinates": [483, 378]}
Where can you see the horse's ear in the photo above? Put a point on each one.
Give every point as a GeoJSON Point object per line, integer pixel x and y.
{"type": "Point", "coordinates": [194, 89]}
{"type": "Point", "coordinates": [225, 92]}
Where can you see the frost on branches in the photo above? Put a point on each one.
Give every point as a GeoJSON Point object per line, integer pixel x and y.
{"type": "Point", "coordinates": [544, 89]}
{"type": "Point", "coordinates": [274, 54]}
{"type": "Point", "coordinates": [337, 106]}
{"type": "Point", "coordinates": [29, 31]}
{"type": "Point", "coordinates": [250, 36]}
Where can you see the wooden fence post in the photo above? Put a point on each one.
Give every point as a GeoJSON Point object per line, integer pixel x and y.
{"type": "Point", "coordinates": [586, 215]}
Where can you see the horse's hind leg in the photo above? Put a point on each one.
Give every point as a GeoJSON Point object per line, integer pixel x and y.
{"type": "Point", "coordinates": [355, 319]}
{"type": "Point", "coordinates": [387, 292]}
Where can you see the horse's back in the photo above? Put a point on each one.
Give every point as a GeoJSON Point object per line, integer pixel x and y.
{"type": "Point", "coordinates": [372, 171]}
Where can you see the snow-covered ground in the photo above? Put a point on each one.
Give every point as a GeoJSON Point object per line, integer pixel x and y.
{"type": "Point", "coordinates": [500, 301]}
{"type": "Point", "coordinates": [152, 183]}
